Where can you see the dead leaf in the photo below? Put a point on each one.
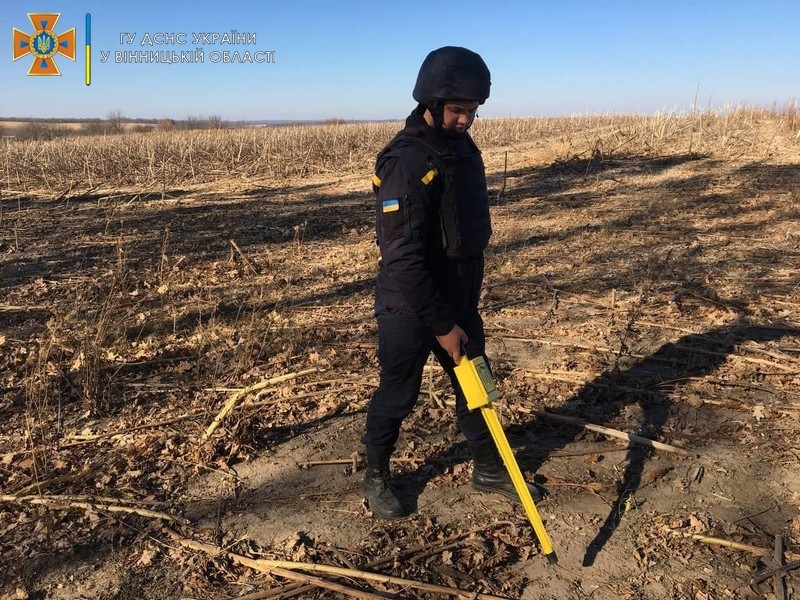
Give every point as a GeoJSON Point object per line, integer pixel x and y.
{"type": "Point", "coordinates": [146, 558]}
{"type": "Point", "coordinates": [593, 459]}
{"type": "Point", "coordinates": [696, 525]}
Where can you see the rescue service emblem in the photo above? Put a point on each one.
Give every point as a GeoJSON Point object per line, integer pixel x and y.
{"type": "Point", "coordinates": [44, 44]}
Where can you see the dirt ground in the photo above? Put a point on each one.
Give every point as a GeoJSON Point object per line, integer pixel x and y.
{"type": "Point", "coordinates": [658, 295]}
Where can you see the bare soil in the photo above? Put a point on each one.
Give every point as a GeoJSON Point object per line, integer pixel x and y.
{"type": "Point", "coordinates": [655, 294]}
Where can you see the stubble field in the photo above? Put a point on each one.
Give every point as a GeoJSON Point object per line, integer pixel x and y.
{"type": "Point", "coordinates": [643, 276]}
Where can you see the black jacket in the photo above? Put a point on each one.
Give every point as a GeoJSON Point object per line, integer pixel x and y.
{"type": "Point", "coordinates": [415, 274]}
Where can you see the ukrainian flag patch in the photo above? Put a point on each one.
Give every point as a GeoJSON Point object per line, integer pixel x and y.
{"type": "Point", "coordinates": [391, 205]}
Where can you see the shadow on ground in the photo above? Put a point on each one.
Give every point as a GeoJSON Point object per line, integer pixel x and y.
{"type": "Point", "coordinates": [646, 383]}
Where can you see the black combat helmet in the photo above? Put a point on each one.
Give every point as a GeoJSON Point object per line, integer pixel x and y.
{"type": "Point", "coordinates": [452, 73]}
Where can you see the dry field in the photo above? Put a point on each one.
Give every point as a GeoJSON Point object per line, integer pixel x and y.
{"type": "Point", "coordinates": [643, 276]}
{"type": "Point", "coordinates": [51, 129]}
{"type": "Point", "coordinates": [12, 127]}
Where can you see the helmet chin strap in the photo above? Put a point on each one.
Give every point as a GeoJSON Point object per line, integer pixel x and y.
{"type": "Point", "coordinates": [436, 109]}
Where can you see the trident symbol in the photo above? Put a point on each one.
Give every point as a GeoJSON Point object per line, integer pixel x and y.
{"type": "Point", "coordinates": [44, 43]}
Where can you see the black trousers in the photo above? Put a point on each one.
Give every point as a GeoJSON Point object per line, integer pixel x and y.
{"type": "Point", "coordinates": [404, 344]}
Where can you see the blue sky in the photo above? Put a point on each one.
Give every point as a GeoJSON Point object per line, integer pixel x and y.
{"type": "Point", "coordinates": [359, 59]}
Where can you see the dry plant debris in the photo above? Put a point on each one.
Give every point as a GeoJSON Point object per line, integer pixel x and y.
{"type": "Point", "coordinates": [642, 276]}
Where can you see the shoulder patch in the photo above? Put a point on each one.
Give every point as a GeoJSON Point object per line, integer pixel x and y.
{"type": "Point", "coordinates": [428, 177]}
{"type": "Point", "coordinates": [392, 205]}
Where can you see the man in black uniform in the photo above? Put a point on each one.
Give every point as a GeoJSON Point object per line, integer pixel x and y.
{"type": "Point", "coordinates": [433, 226]}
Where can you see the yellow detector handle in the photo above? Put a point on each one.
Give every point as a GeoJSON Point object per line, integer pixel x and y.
{"type": "Point", "coordinates": [479, 390]}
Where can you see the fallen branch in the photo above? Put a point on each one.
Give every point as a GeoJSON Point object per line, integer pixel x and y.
{"type": "Point", "coordinates": [739, 546]}
{"type": "Point", "coordinates": [78, 440]}
{"type": "Point", "coordinates": [642, 441]}
{"type": "Point", "coordinates": [305, 579]}
{"type": "Point", "coordinates": [238, 396]}
{"type": "Point", "coordinates": [505, 178]}
{"type": "Point", "coordinates": [580, 378]}
{"type": "Point", "coordinates": [319, 463]}
{"type": "Point", "coordinates": [339, 391]}
{"type": "Point", "coordinates": [352, 461]}
{"type": "Point", "coordinates": [748, 408]}
{"type": "Point", "coordinates": [562, 344]}
{"type": "Point", "coordinates": [506, 303]}
{"type": "Point", "coordinates": [757, 361]}
{"type": "Point", "coordinates": [416, 552]}
{"type": "Point", "coordinates": [38, 486]}
{"type": "Point", "coordinates": [103, 500]}
{"type": "Point", "coordinates": [671, 328]}
{"type": "Point", "coordinates": [337, 382]}
{"type": "Point", "coordinates": [780, 582]}
{"type": "Point", "coordinates": [285, 568]}
{"type": "Point", "coordinates": [12, 308]}
{"type": "Point", "coordinates": [576, 377]}
{"type": "Point", "coordinates": [512, 281]}
{"type": "Point", "coordinates": [778, 571]}
{"type": "Point", "coordinates": [774, 354]}
{"type": "Point", "coordinates": [285, 591]}
{"type": "Point", "coordinates": [143, 363]}
{"type": "Point", "coordinates": [62, 502]}
{"type": "Point", "coordinates": [244, 258]}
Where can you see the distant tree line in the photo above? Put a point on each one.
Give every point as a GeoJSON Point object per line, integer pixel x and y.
{"type": "Point", "coordinates": [116, 123]}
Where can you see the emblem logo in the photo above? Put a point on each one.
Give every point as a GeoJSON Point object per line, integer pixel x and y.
{"type": "Point", "coordinates": [44, 44]}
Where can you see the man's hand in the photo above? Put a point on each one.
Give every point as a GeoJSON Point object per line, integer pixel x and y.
{"type": "Point", "coordinates": [452, 342]}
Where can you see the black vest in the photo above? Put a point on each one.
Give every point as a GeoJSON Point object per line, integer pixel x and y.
{"type": "Point", "coordinates": [464, 205]}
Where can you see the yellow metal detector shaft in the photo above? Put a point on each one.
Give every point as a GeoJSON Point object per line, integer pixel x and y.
{"type": "Point", "coordinates": [479, 389]}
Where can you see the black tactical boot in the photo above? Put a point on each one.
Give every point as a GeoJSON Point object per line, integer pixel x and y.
{"type": "Point", "coordinates": [490, 475]}
{"type": "Point", "coordinates": [381, 499]}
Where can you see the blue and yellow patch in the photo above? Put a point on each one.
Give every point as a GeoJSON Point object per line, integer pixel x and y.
{"type": "Point", "coordinates": [391, 205]}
